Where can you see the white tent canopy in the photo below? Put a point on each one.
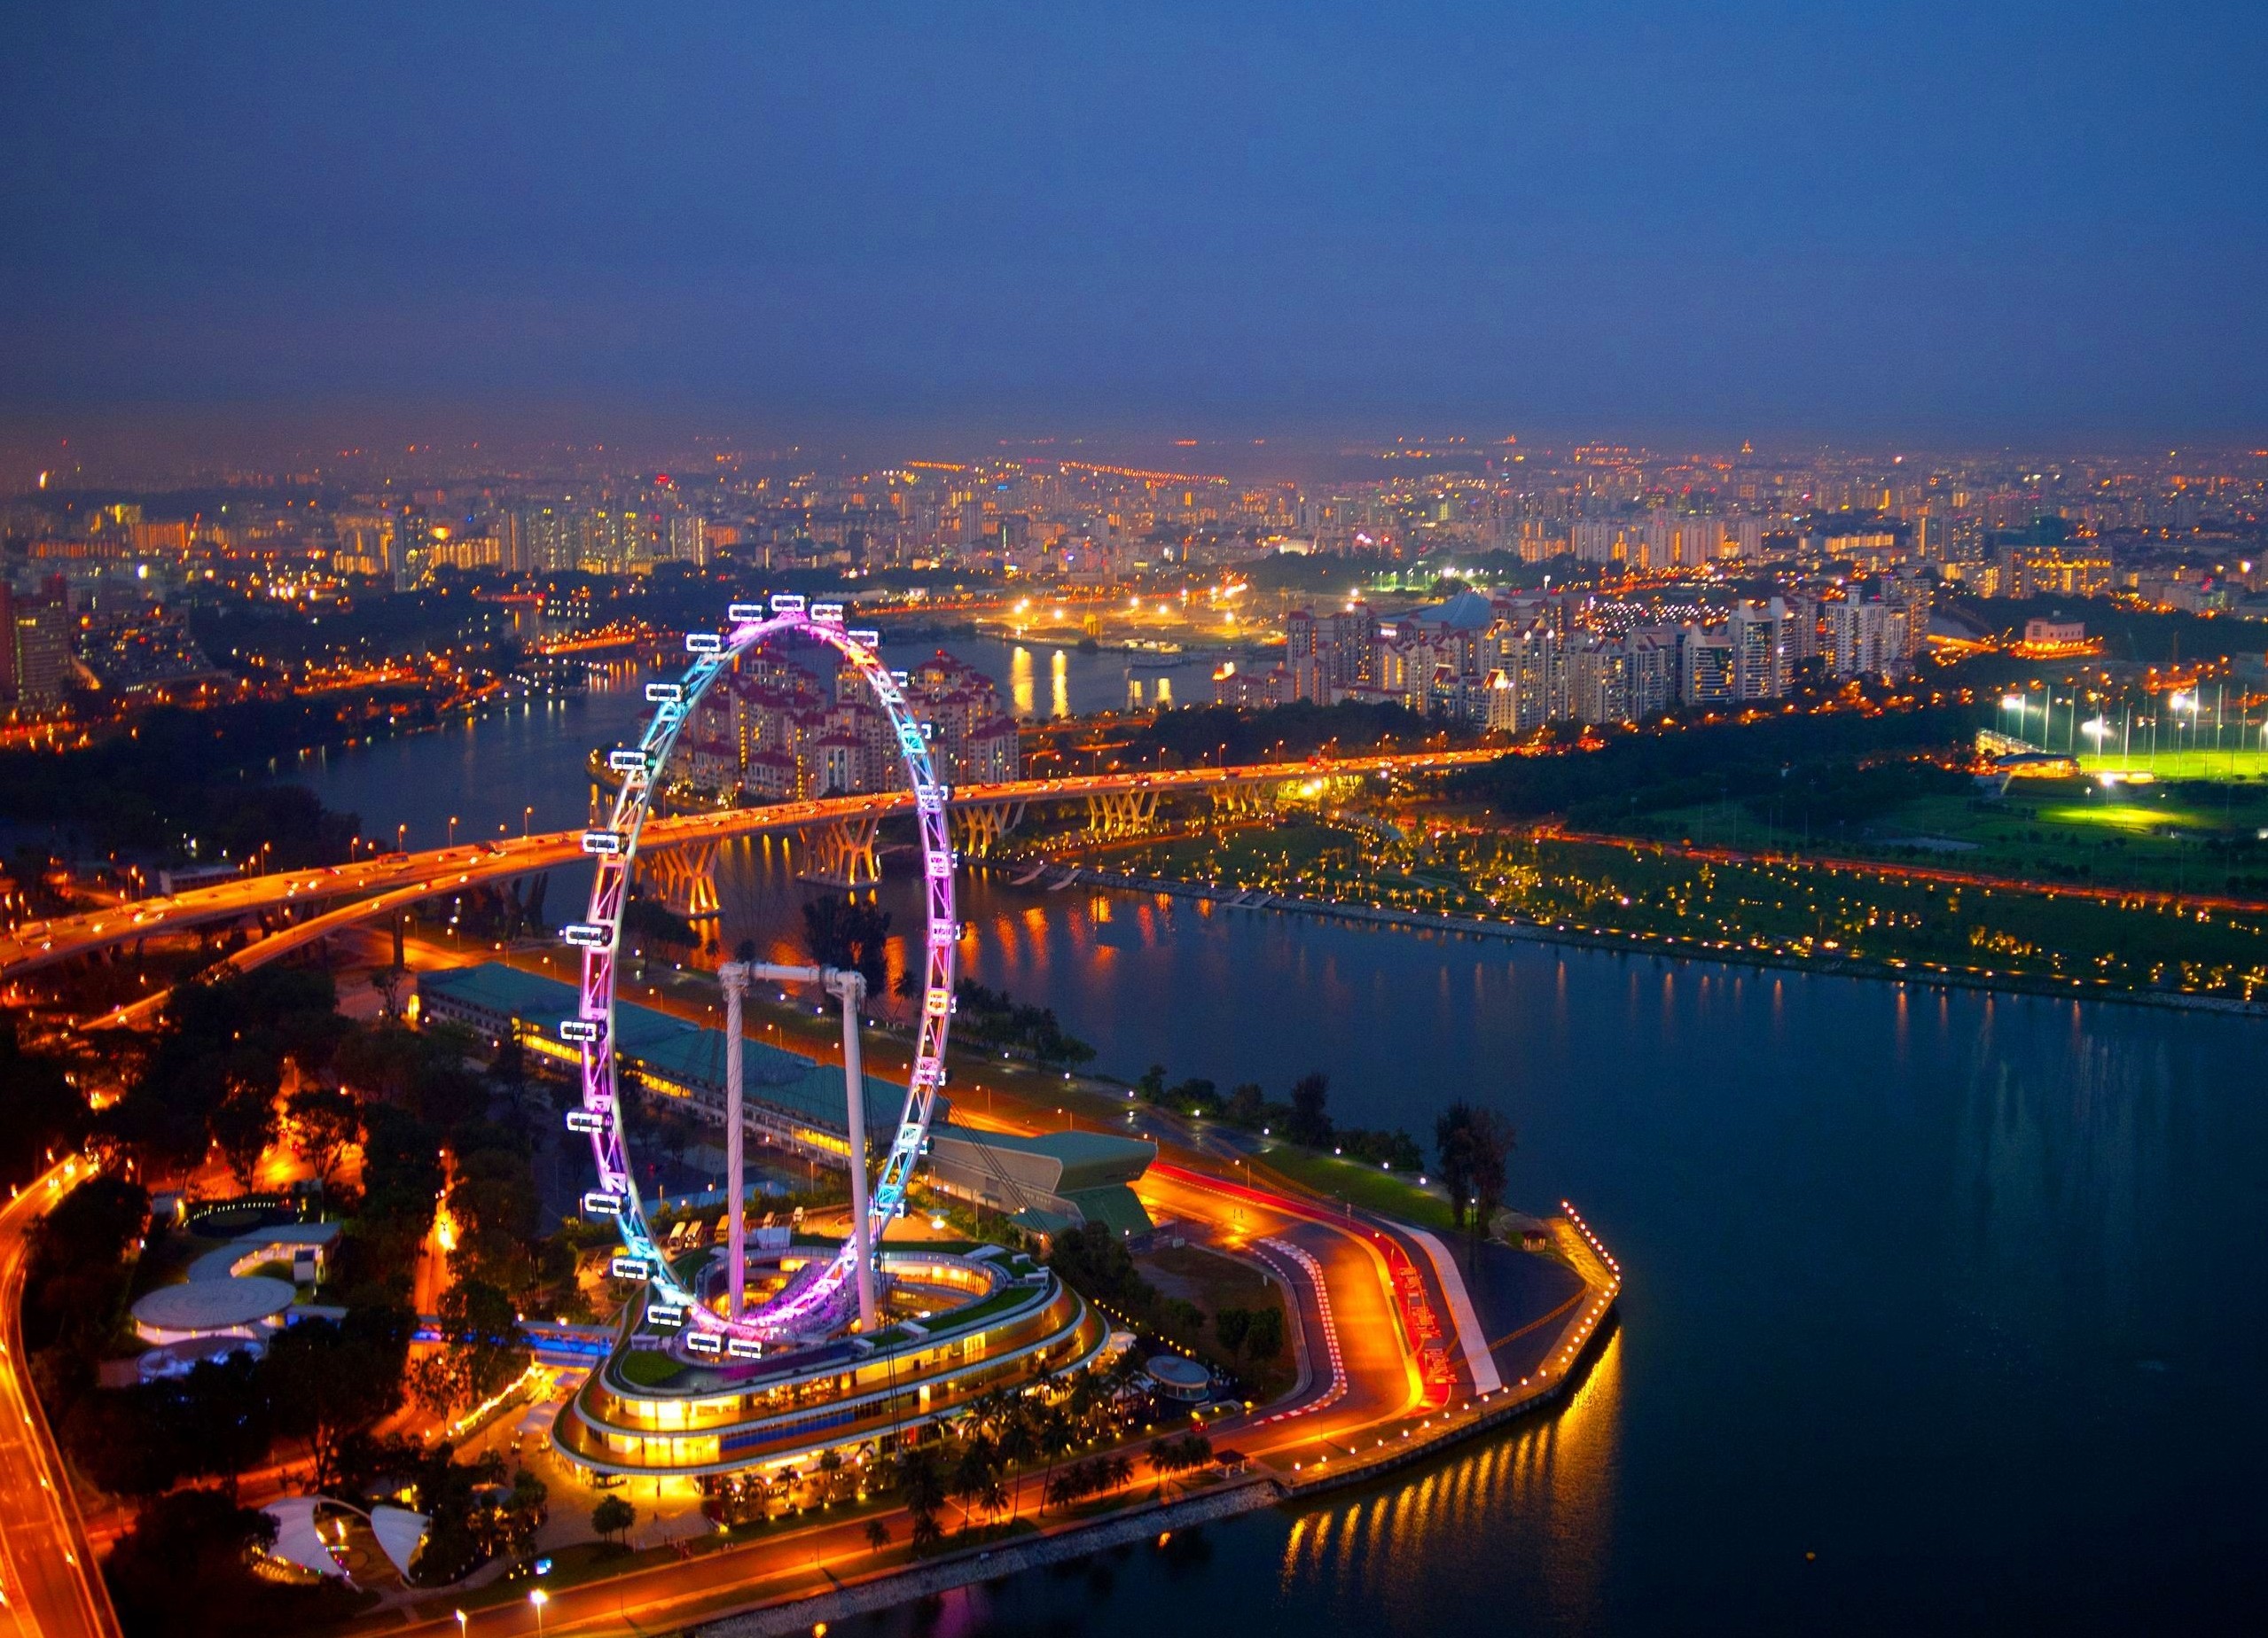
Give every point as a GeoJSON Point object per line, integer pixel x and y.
{"type": "Point", "coordinates": [400, 1533]}
{"type": "Point", "coordinates": [297, 1539]}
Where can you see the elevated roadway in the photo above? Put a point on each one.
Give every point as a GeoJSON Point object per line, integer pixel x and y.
{"type": "Point", "coordinates": [393, 879]}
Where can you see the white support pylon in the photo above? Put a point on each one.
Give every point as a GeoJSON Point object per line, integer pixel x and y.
{"type": "Point", "coordinates": [733, 975]}
{"type": "Point", "coordinates": [850, 986]}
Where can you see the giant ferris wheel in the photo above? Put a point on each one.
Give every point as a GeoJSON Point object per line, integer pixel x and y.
{"type": "Point", "coordinates": [820, 1298]}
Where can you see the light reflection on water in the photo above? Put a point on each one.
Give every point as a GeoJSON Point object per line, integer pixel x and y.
{"type": "Point", "coordinates": [1955, 1290]}
{"type": "Point", "coordinates": [1536, 1503]}
{"type": "Point", "coordinates": [1514, 1533]}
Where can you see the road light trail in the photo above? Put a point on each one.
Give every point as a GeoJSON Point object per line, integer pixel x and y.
{"type": "Point", "coordinates": [37, 944]}
{"type": "Point", "coordinates": [51, 1584]}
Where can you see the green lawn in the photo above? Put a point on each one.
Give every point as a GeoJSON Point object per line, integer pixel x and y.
{"type": "Point", "coordinates": [1388, 1193]}
{"type": "Point", "coordinates": [2157, 836]}
{"type": "Point", "coordinates": [2230, 762]}
{"type": "Point", "coordinates": [648, 1367]}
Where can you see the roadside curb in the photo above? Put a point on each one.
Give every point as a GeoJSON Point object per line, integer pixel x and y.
{"type": "Point", "coordinates": [885, 1588]}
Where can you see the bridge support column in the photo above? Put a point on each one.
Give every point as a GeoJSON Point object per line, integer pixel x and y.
{"type": "Point", "coordinates": [841, 854]}
{"type": "Point", "coordinates": [1249, 798]}
{"type": "Point", "coordinates": [1120, 812]}
{"type": "Point", "coordinates": [980, 828]}
{"type": "Point", "coordinates": [687, 877]}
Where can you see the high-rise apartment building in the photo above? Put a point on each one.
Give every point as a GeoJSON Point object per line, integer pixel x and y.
{"type": "Point", "coordinates": [34, 645]}
{"type": "Point", "coordinates": [1757, 631]}
{"type": "Point", "coordinates": [1710, 669]}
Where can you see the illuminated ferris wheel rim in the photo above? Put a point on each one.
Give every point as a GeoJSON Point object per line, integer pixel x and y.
{"type": "Point", "coordinates": [808, 1301]}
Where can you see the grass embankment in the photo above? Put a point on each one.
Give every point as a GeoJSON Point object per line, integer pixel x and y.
{"type": "Point", "coordinates": [2160, 836]}
{"type": "Point", "coordinates": [1333, 1177]}
{"type": "Point", "coordinates": [1793, 910]}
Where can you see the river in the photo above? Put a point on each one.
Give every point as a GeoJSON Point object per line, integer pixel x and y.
{"type": "Point", "coordinates": [1942, 1309]}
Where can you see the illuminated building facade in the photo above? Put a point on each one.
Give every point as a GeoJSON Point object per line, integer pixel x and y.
{"type": "Point", "coordinates": [960, 1320]}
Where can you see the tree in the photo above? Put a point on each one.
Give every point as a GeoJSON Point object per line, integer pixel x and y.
{"type": "Point", "coordinates": [123, 1441]}
{"type": "Point", "coordinates": [511, 1521]}
{"type": "Point", "coordinates": [402, 1177]}
{"type": "Point", "coordinates": [851, 934]}
{"type": "Point", "coordinates": [1311, 1121]}
{"type": "Point", "coordinates": [1233, 1327]}
{"type": "Point", "coordinates": [976, 1478]}
{"type": "Point", "coordinates": [331, 1380]}
{"type": "Point", "coordinates": [243, 1127]}
{"type": "Point", "coordinates": [182, 1571]}
{"type": "Point", "coordinates": [510, 1067]}
{"type": "Point", "coordinates": [878, 1535]}
{"type": "Point", "coordinates": [40, 1110]}
{"type": "Point", "coordinates": [494, 1204]}
{"type": "Point", "coordinates": [1017, 1436]}
{"type": "Point", "coordinates": [446, 1093]}
{"type": "Point", "coordinates": [918, 1475]}
{"type": "Point", "coordinates": [1095, 1262]}
{"type": "Point", "coordinates": [482, 1349]}
{"type": "Point", "coordinates": [228, 1420]}
{"type": "Point", "coordinates": [1265, 1339]}
{"type": "Point", "coordinates": [649, 921]}
{"type": "Point", "coordinates": [613, 1518]}
{"type": "Point", "coordinates": [1171, 1457]}
{"type": "Point", "coordinates": [76, 1288]}
{"type": "Point", "coordinates": [320, 1123]}
{"type": "Point", "coordinates": [1472, 1144]}
{"type": "Point", "coordinates": [389, 982]}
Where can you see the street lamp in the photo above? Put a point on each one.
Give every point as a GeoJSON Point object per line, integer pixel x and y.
{"type": "Point", "coordinates": [539, 1598]}
{"type": "Point", "coordinates": [460, 1622]}
{"type": "Point", "coordinates": [400, 837]}
{"type": "Point", "coordinates": [526, 813]}
{"type": "Point", "coordinates": [452, 830]}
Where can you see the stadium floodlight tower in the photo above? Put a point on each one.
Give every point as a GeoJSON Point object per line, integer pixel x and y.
{"type": "Point", "coordinates": [818, 1300]}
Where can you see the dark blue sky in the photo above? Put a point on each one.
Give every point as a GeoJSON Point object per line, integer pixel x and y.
{"type": "Point", "coordinates": [1879, 220]}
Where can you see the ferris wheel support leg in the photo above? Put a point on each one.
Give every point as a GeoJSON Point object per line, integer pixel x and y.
{"type": "Point", "coordinates": [852, 988]}
{"type": "Point", "coordinates": [734, 975]}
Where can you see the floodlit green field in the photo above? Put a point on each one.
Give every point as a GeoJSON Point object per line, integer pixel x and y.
{"type": "Point", "coordinates": [2230, 762]}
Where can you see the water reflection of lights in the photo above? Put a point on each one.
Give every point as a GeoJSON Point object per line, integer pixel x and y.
{"type": "Point", "coordinates": [1543, 1493]}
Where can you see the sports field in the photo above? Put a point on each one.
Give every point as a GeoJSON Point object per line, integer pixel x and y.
{"type": "Point", "coordinates": [2229, 762]}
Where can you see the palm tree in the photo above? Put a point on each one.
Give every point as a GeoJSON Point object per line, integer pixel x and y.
{"type": "Point", "coordinates": [1054, 1433]}
{"type": "Point", "coordinates": [1017, 1440]}
{"type": "Point", "coordinates": [918, 1477]}
{"type": "Point", "coordinates": [878, 1535]}
{"type": "Point", "coordinates": [976, 1477]}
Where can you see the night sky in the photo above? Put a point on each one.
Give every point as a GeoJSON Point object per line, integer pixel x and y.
{"type": "Point", "coordinates": [1969, 220]}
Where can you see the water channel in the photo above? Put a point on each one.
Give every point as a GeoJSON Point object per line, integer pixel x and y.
{"type": "Point", "coordinates": [1943, 1311]}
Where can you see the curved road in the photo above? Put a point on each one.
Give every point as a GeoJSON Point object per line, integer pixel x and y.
{"type": "Point", "coordinates": [47, 1577]}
